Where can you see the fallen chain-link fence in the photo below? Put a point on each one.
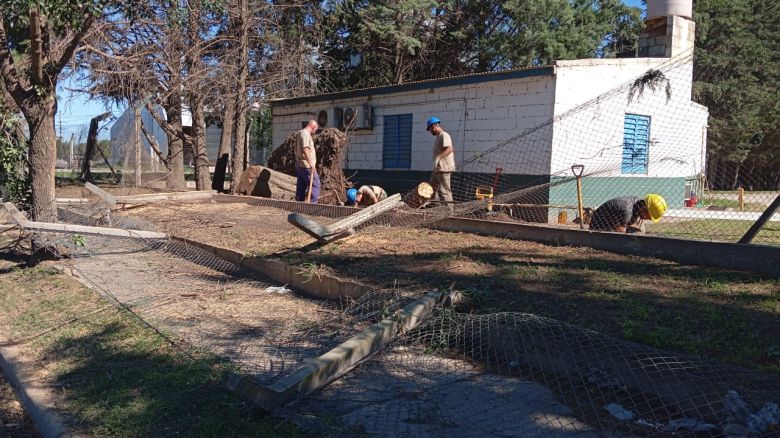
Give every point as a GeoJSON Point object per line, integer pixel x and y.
{"type": "Point", "coordinates": [504, 374]}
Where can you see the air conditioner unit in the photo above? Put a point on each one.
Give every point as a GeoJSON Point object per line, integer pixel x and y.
{"type": "Point", "coordinates": [330, 118]}
{"type": "Point", "coordinates": [361, 117]}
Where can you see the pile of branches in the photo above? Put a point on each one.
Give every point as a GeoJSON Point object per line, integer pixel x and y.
{"type": "Point", "coordinates": [330, 145]}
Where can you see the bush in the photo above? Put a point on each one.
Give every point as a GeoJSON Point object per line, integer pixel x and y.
{"type": "Point", "coordinates": [15, 183]}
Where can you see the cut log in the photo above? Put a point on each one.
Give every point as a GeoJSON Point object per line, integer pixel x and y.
{"type": "Point", "coordinates": [420, 195]}
{"type": "Point", "coordinates": [267, 183]}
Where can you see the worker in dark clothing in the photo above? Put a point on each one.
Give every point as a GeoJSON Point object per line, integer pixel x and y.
{"type": "Point", "coordinates": [625, 214]}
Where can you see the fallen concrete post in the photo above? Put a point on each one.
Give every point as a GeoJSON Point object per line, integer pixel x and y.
{"type": "Point", "coordinates": [26, 224]}
{"type": "Point", "coordinates": [151, 197]}
{"type": "Point", "coordinates": [173, 196]}
{"type": "Point", "coordinates": [338, 361]}
{"type": "Point", "coordinates": [345, 226]}
{"type": "Point", "coordinates": [108, 198]}
{"type": "Point", "coordinates": [308, 226]}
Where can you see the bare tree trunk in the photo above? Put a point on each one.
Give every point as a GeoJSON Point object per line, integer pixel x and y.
{"type": "Point", "coordinates": [239, 149]}
{"type": "Point", "coordinates": [43, 155]}
{"type": "Point", "coordinates": [199, 150]}
{"type": "Point", "coordinates": [175, 179]}
{"type": "Point", "coordinates": [225, 139]}
{"type": "Point", "coordinates": [86, 165]}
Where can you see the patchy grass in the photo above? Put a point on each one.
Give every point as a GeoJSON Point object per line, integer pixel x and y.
{"type": "Point", "coordinates": [713, 313]}
{"type": "Point", "coordinates": [716, 229]}
{"type": "Point", "coordinates": [731, 203]}
{"type": "Point", "coordinates": [116, 376]}
{"type": "Point", "coordinates": [725, 315]}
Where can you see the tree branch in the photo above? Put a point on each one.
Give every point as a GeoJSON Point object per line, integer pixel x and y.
{"type": "Point", "coordinates": [165, 125]}
{"type": "Point", "coordinates": [8, 71]}
{"type": "Point", "coordinates": [36, 47]}
{"type": "Point", "coordinates": [153, 144]}
{"type": "Point", "coordinates": [73, 44]}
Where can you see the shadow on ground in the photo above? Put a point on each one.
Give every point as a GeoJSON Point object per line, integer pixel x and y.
{"type": "Point", "coordinates": [124, 380]}
{"type": "Point", "coordinates": [724, 315]}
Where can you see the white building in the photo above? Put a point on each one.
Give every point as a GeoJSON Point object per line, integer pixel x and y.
{"type": "Point", "coordinates": [652, 143]}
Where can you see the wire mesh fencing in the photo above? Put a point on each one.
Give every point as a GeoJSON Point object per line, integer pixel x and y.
{"type": "Point", "coordinates": [502, 374]}
{"type": "Point", "coordinates": [648, 135]}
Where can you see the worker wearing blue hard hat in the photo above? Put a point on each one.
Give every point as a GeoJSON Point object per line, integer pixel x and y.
{"type": "Point", "coordinates": [443, 162]}
{"type": "Point", "coordinates": [365, 195]}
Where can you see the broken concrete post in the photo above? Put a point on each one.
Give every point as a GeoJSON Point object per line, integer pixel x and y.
{"type": "Point", "coordinates": [26, 224]}
{"type": "Point", "coordinates": [347, 225]}
{"type": "Point", "coordinates": [338, 361]}
{"type": "Point", "coordinates": [108, 198]}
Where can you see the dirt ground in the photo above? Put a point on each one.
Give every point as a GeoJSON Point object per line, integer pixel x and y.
{"type": "Point", "coordinates": [725, 315]}
{"type": "Point", "coordinates": [14, 422]}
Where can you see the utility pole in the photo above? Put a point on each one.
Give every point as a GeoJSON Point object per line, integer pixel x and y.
{"type": "Point", "coordinates": [70, 155]}
{"type": "Point", "coordinates": [137, 175]}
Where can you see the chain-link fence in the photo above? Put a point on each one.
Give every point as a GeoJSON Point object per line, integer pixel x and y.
{"type": "Point", "coordinates": [603, 157]}
{"type": "Point", "coordinates": [458, 374]}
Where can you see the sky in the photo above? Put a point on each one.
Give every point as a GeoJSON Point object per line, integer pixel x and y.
{"type": "Point", "coordinates": [76, 109]}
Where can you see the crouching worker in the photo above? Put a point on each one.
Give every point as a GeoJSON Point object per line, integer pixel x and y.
{"type": "Point", "coordinates": [366, 195]}
{"type": "Point", "coordinates": [625, 214]}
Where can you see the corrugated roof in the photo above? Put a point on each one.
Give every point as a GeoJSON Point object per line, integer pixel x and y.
{"type": "Point", "coordinates": [472, 78]}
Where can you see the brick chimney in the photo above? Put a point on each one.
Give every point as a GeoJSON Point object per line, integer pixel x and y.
{"type": "Point", "coordinates": [669, 30]}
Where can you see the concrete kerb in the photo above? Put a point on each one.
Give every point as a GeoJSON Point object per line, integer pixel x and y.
{"type": "Point", "coordinates": [747, 257]}
{"type": "Point", "coordinates": [38, 402]}
{"type": "Point", "coordinates": [338, 361]}
{"type": "Point", "coordinates": [323, 286]}
{"type": "Point", "coordinates": [757, 258]}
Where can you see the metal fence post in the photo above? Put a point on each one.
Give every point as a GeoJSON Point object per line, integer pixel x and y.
{"type": "Point", "coordinates": [763, 219]}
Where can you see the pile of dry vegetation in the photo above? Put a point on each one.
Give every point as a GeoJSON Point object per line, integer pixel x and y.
{"type": "Point", "coordinates": [330, 145]}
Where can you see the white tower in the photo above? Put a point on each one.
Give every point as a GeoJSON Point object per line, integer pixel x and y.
{"type": "Point", "coordinates": [669, 29]}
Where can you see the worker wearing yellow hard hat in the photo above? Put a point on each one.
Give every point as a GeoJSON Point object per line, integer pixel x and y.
{"type": "Point", "coordinates": [625, 214]}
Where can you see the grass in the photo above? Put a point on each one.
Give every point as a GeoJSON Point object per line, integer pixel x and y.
{"type": "Point", "coordinates": [727, 316]}
{"type": "Point", "coordinates": [730, 203]}
{"type": "Point", "coordinates": [716, 229]}
{"type": "Point", "coordinates": [116, 376]}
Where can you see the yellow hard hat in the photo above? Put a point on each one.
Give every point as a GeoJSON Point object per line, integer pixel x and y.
{"type": "Point", "coordinates": [656, 206]}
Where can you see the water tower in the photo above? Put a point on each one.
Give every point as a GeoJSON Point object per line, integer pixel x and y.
{"type": "Point", "coordinates": [669, 29]}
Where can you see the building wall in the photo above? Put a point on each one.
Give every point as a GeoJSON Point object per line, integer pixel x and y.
{"type": "Point", "coordinates": [477, 116]}
{"type": "Point", "coordinates": [122, 137]}
{"type": "Point", "coordinates": [593, 135]}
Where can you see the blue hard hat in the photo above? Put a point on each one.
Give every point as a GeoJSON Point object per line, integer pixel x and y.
{"type": "Point", "coordinates": [351, 196]}
{"type": "Point", "coordinates": [432, 121]}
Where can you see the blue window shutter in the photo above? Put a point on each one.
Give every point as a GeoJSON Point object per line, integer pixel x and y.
{"type": "Point", "coordinates": [636, 140]}
{"type": "Point", "coordinates": [397, 142]}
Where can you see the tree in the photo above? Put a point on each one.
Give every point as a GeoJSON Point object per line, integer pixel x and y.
{"type": "Point", "coordinates": [370, 43]}
{"type": "Point", "coordinates": [164, 60]}
{"type": "Point", "coordinates": [14, 178]}
{"type": "Point", "coordinates": [240, 17]}
{"type": "Point", "coordinates": [736, 72]}
{"type": "Point", "coordinates": [31, 61]}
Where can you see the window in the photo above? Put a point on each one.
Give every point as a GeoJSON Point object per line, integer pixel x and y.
{"type": "Point", "coordinates": [636, 139]}
{"type": "Point", "coordinates": [397, 142]}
